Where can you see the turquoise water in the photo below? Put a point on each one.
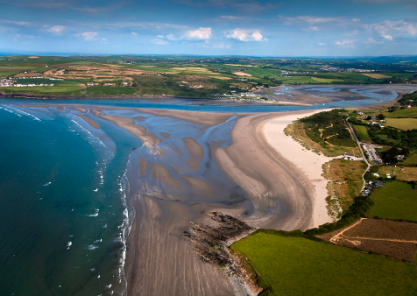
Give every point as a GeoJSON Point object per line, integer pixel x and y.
{"type": "Point", "coordinates": [62, 226]}
{"type": "Point", "coordinates": [63, 192]}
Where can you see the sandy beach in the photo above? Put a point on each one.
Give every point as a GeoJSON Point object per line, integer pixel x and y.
{"type": "Point", "coordinates": [308, 162]}
{"type": "Point", "coordinates": [263, 178]}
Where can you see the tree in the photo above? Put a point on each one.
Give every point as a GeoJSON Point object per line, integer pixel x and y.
{"type": "Point", "coordinates": [381, 116]}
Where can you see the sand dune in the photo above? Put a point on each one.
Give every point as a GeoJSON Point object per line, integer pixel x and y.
{"type": "Point", "coordinates": [195, 149]}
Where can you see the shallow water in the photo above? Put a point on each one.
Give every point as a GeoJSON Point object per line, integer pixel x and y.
{"type": "Point", "coordinates": [63, 186]}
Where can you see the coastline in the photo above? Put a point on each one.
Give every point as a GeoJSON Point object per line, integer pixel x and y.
{"type": "Point", "coordinates": [283, 184]}
{"type": "Point", "coordinates": [310, 163]}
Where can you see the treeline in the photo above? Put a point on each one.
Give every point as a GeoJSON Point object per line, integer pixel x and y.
{"type": "Point", "coordinates": [358, 209]}
{"type": "Point", "coordinates": [409, 99]}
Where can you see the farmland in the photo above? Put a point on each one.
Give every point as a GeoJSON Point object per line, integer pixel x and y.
{"type": "Point", "coordinates": [362, 133]}
{"type": "Point", "coordinates": [396, 201]}
{"type": "Point", "coordinates": [402, 123]}
{"type": "Point", "coordinates": [185, 76]}
{"type": "Point", "coordinates": [291, 265]}
{"type": "Point", "coordinates": [389, 238]}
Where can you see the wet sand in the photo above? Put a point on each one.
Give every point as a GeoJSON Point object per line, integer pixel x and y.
{"type": "Point", "coordinates": [195, 149]}
{"type": "Point", "coordinates": [89, 121]}
{"type": "Point", "coordinates": [80, 109]}
{"type": "Point", "coordinates": [148, 139]}
{"type": "Point", "coordinates": [165, 135]}
{"type": "Point", "coordinates": [202, 118]}
{"type": "Point", "coordinates": [248, 179]}
{"type": "Point", "coordinates": [143, 166]}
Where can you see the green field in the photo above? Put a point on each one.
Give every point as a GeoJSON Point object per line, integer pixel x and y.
{"type": "Point", "coordinates": [403, 113]}
{"type": "Point", "coordinates": [410, 160]}
{"type": "Point", "coordinates": [299, 266]}
{"type": "Point", "coordinates": [402, 123]}
{"type": "Point", "coordinates": [325, 80]}
{"type": "Point", "coordinates": [362, 133]}
{"type": "Point", "coordinates": [396, 201]}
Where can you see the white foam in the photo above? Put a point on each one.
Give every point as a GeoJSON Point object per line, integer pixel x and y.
{"type": "Point", "coordinates": [95, 190]}
{"type": "Point", "coordinates": [69, 244]}
{"type": "Point", "coordinates": [47, 184]}
{"type": "Point", "coordinates": [108, 286]}
{"type": "Point", "coordinates": [24, 113]}
{"type": "Point", "coordinates": [92, 247]}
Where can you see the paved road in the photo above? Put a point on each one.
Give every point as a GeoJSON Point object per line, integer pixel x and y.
{"type": "Point", "coordinates": [363, 154]}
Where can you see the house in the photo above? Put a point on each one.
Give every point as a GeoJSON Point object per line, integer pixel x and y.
{"type": "Point", "coordinates": [400, 157]}
{"type": "Point", "coordinates": [379, 184]}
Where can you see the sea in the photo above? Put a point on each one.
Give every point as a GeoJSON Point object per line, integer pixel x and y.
{"type": "Point", "coordinates": [63, 187]}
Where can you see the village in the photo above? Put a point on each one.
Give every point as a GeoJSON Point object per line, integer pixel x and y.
{"type": "Point", "coordinates": [12, 83]}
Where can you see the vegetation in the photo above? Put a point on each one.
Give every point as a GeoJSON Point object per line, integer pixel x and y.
{"type": "Point", "coordinates": [403, 123]}
{"type": "Point", "coordinates": [397, 200]}
{"type": "Point", "coordinates": [346, 177]}
{"type": "Point", "coordinates": [362, 133]}
{"type": "Point", "coordinates": [291, 264]}
{"type": "Point", "coordinates": [193, 76]}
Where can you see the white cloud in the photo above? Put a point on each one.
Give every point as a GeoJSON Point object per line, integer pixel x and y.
{"type": "Point", "coordinates": [346, 43]}
{"type": "Point", "coordinates": [322, 44]}
{"type": "Point", "coordinates": [312, 20]}
{"type": "Point", "coordinates": [356, 20]}
{"type": "Point", "coordinates": [372, 40]}
{"type": "Point", "coordinates": [391, 29]}
{"type": "Point", "coordinates": [245, 35]}
{"type": "Point", "coordinates": [134, 33]}
{"type": "Point", "coordinates": [199, 34]}
{"type": "Point", "coordinates": [19, 23]}
{"type": "Point", "coordinates": [159, 41]}
{"type": "Point", "coordinates": [57, 30]}
{"type": "Point", "coordinates": [231, 17]}
{"type": "Point", "coordinates": [88, 36]}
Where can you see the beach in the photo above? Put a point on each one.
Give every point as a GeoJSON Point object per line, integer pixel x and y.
{"type": "Point", "coordinates": [183, 165]}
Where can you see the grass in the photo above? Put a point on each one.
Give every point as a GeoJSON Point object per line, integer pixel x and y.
{"type": "Point", "coordinates": [410, 160]}
{"type": "Point", "coordinates": [347, 179]}
{"type": "Point", "coordinates": [298, 266]}
{"type": "Point", "coordinates": [377, 76]}
{"type": "Point", "coordinates": [408, 174]}
{"type": "Point", "coordinates": [402, 123]}
{"type": "Point", "coordinates": [396, 201]}
{"type": "Point", "coordinates": [362, 133]}
{"type": "Point", "coordinates": [325, 80]}
{"type": "Point", "coordinates": [402, 113]}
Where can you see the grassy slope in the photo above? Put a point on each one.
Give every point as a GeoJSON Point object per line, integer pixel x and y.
{"type": "Point", "coordinates": [298, 266]}
{"type": "Point", "coordinates": [347, 177]}
{"type": "Point", "coordinates": [410, 160]}
{"type": "Point", "coordinates": [396, 201]}
{"type": "Point", "coordinates": [402, 123]}
{"type": "Point", "coordinates": [362, 133]}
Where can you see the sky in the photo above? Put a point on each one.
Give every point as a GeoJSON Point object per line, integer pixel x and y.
{"type": "Point", "coordinates": [210, 27]}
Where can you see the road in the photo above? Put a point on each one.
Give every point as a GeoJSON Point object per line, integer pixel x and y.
{"type": "Point", "coordinates": [363, 154]}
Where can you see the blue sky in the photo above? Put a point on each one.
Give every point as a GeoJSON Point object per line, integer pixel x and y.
{"type": "Point", "coordinates": [210, 27]}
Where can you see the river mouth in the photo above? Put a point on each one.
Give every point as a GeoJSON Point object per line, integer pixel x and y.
{"type": "Point", "coordinates": [153, 170]}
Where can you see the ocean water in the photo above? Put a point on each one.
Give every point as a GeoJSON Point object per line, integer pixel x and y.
{"type": "Point", "coordinates": [62, 209]}
{"type": "Point", "coordinates": [63, 185]}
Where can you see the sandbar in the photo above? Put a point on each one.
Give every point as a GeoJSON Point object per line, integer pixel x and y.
{"type": "Point", "coordinates": [195, 149]}
{"type": "Point", "coordinates": [148, 139]}
{"type": "Point", "coordinates": [89, 121]}
{"type": "Point", "coordinates": [161, 173]}
{"type": "Point", "coordinates": [143, 166]}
